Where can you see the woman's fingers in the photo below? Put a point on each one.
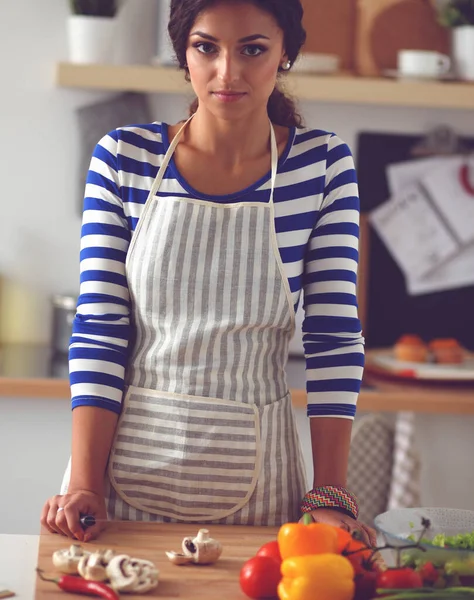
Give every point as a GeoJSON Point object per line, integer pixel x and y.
{"type": "Point", "coordinates": [92, 533]}
{"type": "Point", "coordinates": [51, 515]}
{"type": "Point", "coordinates": [72, 515]}
{"type": "Point", "coordinates": [66, 520]}
{"type": "Point", "coordinates": [44, 517]}
{"type": "Point", "coordinates": [372, 535]}
{"type": "Point", "coordinates": [61, 514]}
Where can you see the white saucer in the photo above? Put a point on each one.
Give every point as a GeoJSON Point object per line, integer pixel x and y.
{"type": "Point", "coordinates": [395, 74]}
{"type": "Point", "coordinates": [311, 62]}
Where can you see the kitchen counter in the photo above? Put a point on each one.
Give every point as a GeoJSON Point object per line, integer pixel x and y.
{"type": "Point", "coordinates": [18, 558]}
{"type": "Point", "coordinates": [33, 372]}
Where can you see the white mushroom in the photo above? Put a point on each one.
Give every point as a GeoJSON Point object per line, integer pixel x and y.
{"type": "Point", "coordinates": [122, 576]}
{"type": "Point", "coordinates": [132, 574]}
{"type": "Point", "coordinates": [202, 549]}
{"type": "Point", "coordinates": [93, 567]}
{"type": "Point", "coordinates": [67, 560]}
{"type": "Point", "coordinates": [108, 555]}
{"type": "Point", "coordinates": [144, 566]}
{"type": "Point", "coordinates": [179, 559]}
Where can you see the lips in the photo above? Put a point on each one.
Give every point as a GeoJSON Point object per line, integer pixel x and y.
{"type": "Point", "coordinates": [226, 96]}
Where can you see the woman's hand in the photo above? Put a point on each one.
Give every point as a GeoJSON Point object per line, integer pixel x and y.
{"type": "Point", "coordinates": [339, 519]}
{"type": "Point", "coordinates": [61, 514]}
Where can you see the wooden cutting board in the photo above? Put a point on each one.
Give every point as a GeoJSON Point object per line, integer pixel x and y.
{"type": "Point", "coordinates": [150, 541]}
{"type": "Point", "coordinates": [330, 28]}
{"type": "Point", "coordinates": [386, 26]}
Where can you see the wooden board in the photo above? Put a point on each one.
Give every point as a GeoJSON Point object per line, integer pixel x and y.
{"type": "Point", "coordinates": [386, 26]}
{"type": "Point", "coordinates": [150, 541]}
{"type": "Point", "coordinates": [330, 28]}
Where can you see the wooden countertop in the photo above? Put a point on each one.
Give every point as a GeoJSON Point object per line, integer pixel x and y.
{"type": "Point", "coordinates": [31, 372]}
{"type": "Point", "coordinates": [151, 540]}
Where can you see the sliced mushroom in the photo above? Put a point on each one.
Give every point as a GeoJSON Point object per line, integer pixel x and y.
{"type": "Point", "coordinates": [123, 577]}
{"type": "Point", "coordinates": [93, 567]}
{"type": "Point", "coordinates": [132, 574]}
{"type": "Point", "coordinates": [144, 566]}
{"type": "Point", "coordinates": [147, 580]}
{"type": "Point", "coordinates": [203, 549]}
{"type": "Point", "coordinates": [179, 559]}
{"type": "Point", "coordinates": [108, 555]}
{"type": "Point", "coordinates": [67, 560]}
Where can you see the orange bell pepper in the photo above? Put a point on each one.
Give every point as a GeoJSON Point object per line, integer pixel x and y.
{"type": "Point", "coordinates": [317, 577]}
{"type": "Point", "coordinates": [298, 539]}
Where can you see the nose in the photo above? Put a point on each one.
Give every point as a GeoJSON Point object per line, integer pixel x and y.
{"type": "Point", "coordinates": [228, 69]}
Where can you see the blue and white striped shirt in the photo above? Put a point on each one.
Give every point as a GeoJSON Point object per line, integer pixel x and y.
{"type": "Point", "coordinates": [317, 228]}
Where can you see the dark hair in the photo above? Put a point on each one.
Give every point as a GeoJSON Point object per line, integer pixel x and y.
{"type": "Point", "coordinates": [289, 16]}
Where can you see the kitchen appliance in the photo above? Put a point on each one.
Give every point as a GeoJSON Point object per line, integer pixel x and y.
{"type": "Point", "coordinates": [64, 310]}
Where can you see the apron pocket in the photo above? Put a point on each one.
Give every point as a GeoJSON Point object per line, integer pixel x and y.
{"type": "Point", "coordinates": [185, 457]}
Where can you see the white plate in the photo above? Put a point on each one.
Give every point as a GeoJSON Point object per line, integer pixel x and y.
{"type": "Point", "coordinates": [394, 74]}
{"type": "Point", "coordinates": [385, 359]}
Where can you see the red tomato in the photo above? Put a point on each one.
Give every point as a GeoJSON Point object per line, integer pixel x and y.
{"type": "Point", "coordinates": [429, 573]}
{"type": "Point", "coordinates": [259, 577]}
{"type": "Point", "coordinates": [402, 578]}
{"type": "Point", "coordinates": [365, 585]}
{"type": "Point", "coordinates": [272, 550]}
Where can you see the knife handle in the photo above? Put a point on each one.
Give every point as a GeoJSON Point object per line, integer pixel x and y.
{"type": "Point", "coordinates": [87, 521]}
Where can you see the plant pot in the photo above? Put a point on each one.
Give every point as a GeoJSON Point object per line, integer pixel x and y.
{"type": "Point", "coordinates": [91, 39]}
{"type": "Point", "coordinates": [463, 51]}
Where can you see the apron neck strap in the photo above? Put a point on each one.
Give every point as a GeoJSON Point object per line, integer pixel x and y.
{"type": "Point", "coordinates": [175, 142]}
{"type": "Point", "coordinates": [274, 152]}
{"type": "Point", "coordinates": [164, 165]}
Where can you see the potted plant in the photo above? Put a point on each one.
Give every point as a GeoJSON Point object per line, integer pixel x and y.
{"type": "Point", "coordinates": [459, 15]}
{"type": "Point", "coordinates": [91, 30]}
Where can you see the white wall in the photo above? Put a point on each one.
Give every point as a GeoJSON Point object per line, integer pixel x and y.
{"type": "Point", "coordinates": [34, 451]}
{"type": "Point", "coordinates": [39, 238]}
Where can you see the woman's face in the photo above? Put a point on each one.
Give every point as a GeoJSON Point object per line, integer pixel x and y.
{"type": "Point", "coordinates": [233, 55]}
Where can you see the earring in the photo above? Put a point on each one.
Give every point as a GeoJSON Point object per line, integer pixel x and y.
{"type": "Point", "coordinates": [286, 66]}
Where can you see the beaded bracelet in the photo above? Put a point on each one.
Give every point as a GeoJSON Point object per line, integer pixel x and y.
{"type": "Point", "coordinates": [331, 496]}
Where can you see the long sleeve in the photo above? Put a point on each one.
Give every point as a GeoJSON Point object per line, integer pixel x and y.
{"type": "Point", "coordinates": [101, 329]}
{"type": "Point", "coordinates": [332, 337]}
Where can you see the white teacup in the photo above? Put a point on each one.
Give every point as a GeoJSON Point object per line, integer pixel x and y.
{"type": "Point", "coordinates": [422, 63]}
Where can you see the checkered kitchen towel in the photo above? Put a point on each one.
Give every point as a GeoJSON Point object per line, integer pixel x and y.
{"type": "Point", "coordinates": [384, 464]}
{"type": "Point", "coordinates": [370, 464]}
{"type": "Point", "coordinates": [405, 485]}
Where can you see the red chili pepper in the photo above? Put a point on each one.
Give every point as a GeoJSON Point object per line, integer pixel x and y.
{"type": "Point", "coordinates": [77, 585]}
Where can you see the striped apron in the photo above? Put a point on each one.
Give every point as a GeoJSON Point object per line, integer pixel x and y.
{"type": "Point", "coordinates": [206, 432]}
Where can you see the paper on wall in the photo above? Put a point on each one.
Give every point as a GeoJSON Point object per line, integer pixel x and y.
{"type": "Point", "coordinates": [413, 232]}
{"type": "Point", "coordinates": [459, 271]}
{"type": "Point", "coordinates": [451, 199]}
{"type": "Point", "coordinates": [402, 174]}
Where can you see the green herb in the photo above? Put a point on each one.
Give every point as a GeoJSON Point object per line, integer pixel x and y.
{"type": "Point", "coordinates": [457, 13]}
{"type": "Point", "coordinates": [94, 8]}
{"type": "Point", "coordinates": [460, 541]}
{"type": "Point", "coordinates": [454, 593]}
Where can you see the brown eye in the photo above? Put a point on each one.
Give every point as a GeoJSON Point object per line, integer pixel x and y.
{"type": "Point", "coordinates": [205, 47]}
{"type": "Point", "coordinates": [253, 50]}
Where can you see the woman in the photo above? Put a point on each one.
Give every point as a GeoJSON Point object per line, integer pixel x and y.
{"type": "Point", "coordinates": [197, 242]}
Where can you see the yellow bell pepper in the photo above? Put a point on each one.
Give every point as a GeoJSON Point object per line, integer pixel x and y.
{"type": "Point", "coordinates": [317, 577]}
{"type": "Point", "coordinates": [298, 539]}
